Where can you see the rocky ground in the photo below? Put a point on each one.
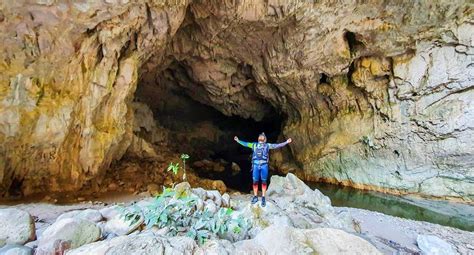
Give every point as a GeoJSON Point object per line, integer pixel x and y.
{"type": "Point", "coordinates": [296, 220]}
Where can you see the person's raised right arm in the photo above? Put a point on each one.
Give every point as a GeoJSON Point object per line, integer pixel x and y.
{"type": "Point", "coordinates": [245, 144]}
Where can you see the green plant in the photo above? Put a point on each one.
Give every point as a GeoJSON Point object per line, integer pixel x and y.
{"type": "Point", "coordinates": [181, 216]}
{"type": "Point", "coordinates": [131, 214]}
{"type": "Point", "coordinates": [173, 167]}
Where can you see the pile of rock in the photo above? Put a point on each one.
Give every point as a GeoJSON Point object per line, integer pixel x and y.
{"type": "Point", "coordinates": [296, 220]}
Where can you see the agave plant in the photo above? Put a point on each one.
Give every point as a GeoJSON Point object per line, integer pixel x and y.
{"type": "Point", "coordinates": [181, 217]}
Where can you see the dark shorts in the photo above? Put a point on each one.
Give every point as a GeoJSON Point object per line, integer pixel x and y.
{"type": "Point", "coordinates": [260, 172]}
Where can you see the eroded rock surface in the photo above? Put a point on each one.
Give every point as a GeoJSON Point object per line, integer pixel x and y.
{"type": "Point", "coordinates": [376, 95]}
{"type": "Point", "coordinates": [16, 226]}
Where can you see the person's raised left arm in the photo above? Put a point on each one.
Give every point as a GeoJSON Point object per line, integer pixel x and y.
{"type": "Point", "coordinates": [279, 145]}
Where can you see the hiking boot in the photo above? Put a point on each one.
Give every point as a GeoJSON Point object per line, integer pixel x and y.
{"type": "Point", "coordinates": [263, 202]}
{"type": "Point", "coordinates": [254, 199]}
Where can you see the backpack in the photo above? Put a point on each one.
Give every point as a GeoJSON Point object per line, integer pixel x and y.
{"type": "Point", "coordinates": [260, 152]}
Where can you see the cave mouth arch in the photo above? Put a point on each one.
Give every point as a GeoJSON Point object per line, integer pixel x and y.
{"type": "Point", "coordinates": [207, 134]}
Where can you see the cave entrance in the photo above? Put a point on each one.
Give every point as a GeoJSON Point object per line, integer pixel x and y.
{"type": "Point", "coordinates": [207, 135]}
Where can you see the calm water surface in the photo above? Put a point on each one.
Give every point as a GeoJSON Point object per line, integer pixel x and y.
{"type": "Point", "coordinates": [440, 212]}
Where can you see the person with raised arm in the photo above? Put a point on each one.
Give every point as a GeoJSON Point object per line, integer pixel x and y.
{"type": "Point", "coordinates": [260, 162]}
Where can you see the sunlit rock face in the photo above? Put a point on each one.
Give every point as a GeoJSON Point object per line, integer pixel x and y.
{"type": "Point", "coordinates": [375, 95]}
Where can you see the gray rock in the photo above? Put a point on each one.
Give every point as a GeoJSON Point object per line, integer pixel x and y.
{"type": "Point", "coordinates": [216, 247]}
{"type": "Point", "coordinates": [288, 240]}
{"type": "Point", "coordinates": [32, 244]}
{"type": "Point", "coordinates": [433, 245]}
{"type": "Point", "coordinates": [225, 200]}
{"type": "Point", "coordinates": [119, 226]}
{"type": "Point", "coordinates": [200, 192]}
{"type": "Point", "coordinates": [210, 206]}
{"type": "Point", "coordinates": [215, 196]}
{"type": "Point", "coordinates": [182, 188]}
{"type": "Point", "coordinates": [109, 212]}
{"type": "Point", "coordinates": [87, 214]}
{"type": "Point", "coordinates": [144, 243]}
{"type": "Point", "coordinates": [305, 207]}
{"type": "Point", "coordinates": [16, 226]}
{"type": "Point", "coordinates": [76, 232]}
{"type": "Point", "coordinates": [199, 204]}
{"type": "Point", "coordinates": [15, 249]}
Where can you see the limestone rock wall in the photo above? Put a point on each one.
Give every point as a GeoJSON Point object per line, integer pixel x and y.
{"type": "Point", "coordinates": [69, 70]}
{"type": "Point", "coordinates": [377, 95]}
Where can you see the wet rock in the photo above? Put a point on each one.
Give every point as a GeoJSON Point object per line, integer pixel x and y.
{"type": "Point", "coordinates": [288, 240]}
{"type": "Point", "coordinates": [433, 245]}
{"type": "Point", "coordinates": [70, 232]}
{"type": "Point", "coordinates": [118, 225]}
{"type": "Point", "coordinates": [16, 226]}
{"type": "Point", "coordinates": [15, 249]}
{"type": "Point", "coordinates": [87, 214]}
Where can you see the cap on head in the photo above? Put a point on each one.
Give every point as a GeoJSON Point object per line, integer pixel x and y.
{"type": "Point", "coordinates": [262, 137]}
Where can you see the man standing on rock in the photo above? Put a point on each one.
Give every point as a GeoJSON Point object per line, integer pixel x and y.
{"type": "Point", "coordinates": [260, 162]}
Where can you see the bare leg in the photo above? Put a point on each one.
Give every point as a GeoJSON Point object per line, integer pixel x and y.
{"type": "Point", "coordinates": [264, 188]}
{"type": "Point", "coordinates": [255, 188]}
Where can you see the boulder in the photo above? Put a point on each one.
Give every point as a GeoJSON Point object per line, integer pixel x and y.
{"type": "Point", "coordinates": [109, 212]}
{"type": "Point", "coordinates": [118, 225]}
{"type": "Point", "coordinates": [182, 189]}
{"type": "Point", "coordinates": [210, 206]}
{"type": "Point", "coordinates": [215, 196]}
{"type": "Point", "coordinates": [216, 247]}
{"type": "Point", "coordinates": [144, 243]}
{"type": "Point", "coordinates": [200, 192]}
{"type": "Point", "coordinates": [307, 208]}
{"type": "Point", "coordinates": [153, 188]}
{"type": "Point", "coordinates": [71, 232]}
{"type": "Point", "coordinates": [235, 168]}
{"type": "Point", "coordinates": [15, 249]}
{"type": "Point", "coordinates": [433, 245]}
{"type": "Point", "coordinates": [288, 240]}
{"type": "Point", "coordinates": [87, 214]}
{"type": "Point", "coordinates": [225, 200]}
{"type": "Point", "coordinates": [16, 226]}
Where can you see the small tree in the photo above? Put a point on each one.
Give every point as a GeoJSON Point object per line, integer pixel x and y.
{"type": "Point", "coordinates": [174, 167]}
{"type": "Point", "coordinates": [184, 157]}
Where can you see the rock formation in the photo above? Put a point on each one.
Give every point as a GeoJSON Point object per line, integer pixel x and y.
{"type": "Point", "coordinates": [375, 95]}
{"type": "Point", "coordinates": [296, 220]}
